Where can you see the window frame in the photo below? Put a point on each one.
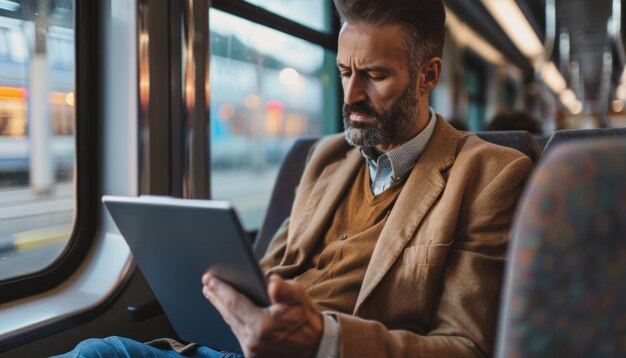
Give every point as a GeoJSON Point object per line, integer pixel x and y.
{"type": "Point", "coordinates": [261, 16]}
{"type": "Point", "coordinates": [87, 94]}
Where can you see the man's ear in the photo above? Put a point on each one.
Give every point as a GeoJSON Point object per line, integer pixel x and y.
{"type": "Point", "coordinates": [429, 75]}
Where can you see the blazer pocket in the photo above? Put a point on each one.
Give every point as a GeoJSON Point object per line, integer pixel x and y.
{"type": "Point", "coordinates": [425, 255]}
{"type": "Point", "coordinates": [421, 269]}
{"type": "Point", "coordinates": [414, 255]}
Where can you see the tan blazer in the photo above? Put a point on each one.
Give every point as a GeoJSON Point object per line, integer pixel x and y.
{"type": "Point", "coordinates": [432, 286]}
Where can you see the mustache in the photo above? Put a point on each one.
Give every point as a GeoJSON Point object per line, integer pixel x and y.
{"type": "Point", "coordinates": [360, 107]}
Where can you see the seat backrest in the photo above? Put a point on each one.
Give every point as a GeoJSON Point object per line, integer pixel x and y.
{"type": "Point", "coordinates": [520, 140]}
{"type": "Point", "coordinates": [565, 281]}
{"type": "Point", "coordinates": [283, 193]}
{"type": "Point", "coordinates": [564, 136]}
{"type": "Point", "coordinates": [542, 139]}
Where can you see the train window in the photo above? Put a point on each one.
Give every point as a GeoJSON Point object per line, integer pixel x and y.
{"type": "Point", "coordinates": [267, 88]}
{"type": "Point", "coordinates": [36, 135]}
{"type": "Point", "coordinates": [475, 86]}
{"type": "Point", "coordinates": [314, 14]}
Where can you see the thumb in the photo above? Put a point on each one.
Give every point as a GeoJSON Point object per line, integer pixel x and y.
{"type": "Point", "coordinates": [284, 292]}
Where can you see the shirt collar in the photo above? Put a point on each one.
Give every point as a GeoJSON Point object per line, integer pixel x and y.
{"type": "Point", "coordinates": [404, 157]}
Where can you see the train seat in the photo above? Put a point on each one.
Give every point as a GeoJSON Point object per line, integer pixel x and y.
{"type": "Point", "coordinates": [569, 135]}
{"type": "Point", "coordinates": [520, 140]}
{"type": "Point", "coordinates": [284, 192]}
{"type": "Point", "coordinates": [542, 139]}
{"type": "Point", "coordinates": [564, 282]}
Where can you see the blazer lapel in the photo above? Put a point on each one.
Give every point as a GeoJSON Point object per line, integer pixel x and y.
{"type": "Point", "coordinates": [421, 190]}
{"type": "Point", "coordinates": [320, 206]}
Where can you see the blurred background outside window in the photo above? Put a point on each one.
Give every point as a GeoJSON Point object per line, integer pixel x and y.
{"type": "Point", "coordinates": [36, 133]}
{"type": "Point", "coordinates": [267, 89]}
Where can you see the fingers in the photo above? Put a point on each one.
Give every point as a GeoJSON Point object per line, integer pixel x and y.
{"type": "Point", "coordinates": [285, 292]}
{"type": "Point", "coordinates": [221, 307]}
{"type": "Point", "coordinates": [209, 290]}
{"type": "Point", "coordinates": [205, 278]}
{"type": "Point", "coordinates": [290, 326]}
{"type": "Point", "coordinates": [234, 307]}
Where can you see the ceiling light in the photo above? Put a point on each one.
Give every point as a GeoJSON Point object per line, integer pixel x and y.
{"type": "Point", "coordinates": [567, 97]}
{"type": "Point", "coordinates": [553, 78]}
{"type": "Point", "coordinates": [576, 108]}
{"type": "Point", "coordinates": [516, 26]}
{"type": "Point", "coordinates": [464, 36]}
{"type": "Point", "coordinates": [620, 92]}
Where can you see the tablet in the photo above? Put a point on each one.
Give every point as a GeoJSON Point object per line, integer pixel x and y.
{"type": "Point", "coordinates": [174, 242]}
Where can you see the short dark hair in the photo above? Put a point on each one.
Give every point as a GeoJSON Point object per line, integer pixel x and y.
{"type": "Point", "coordinates": [515, 121]}
{"type": "Point", "coordinates": [423, 22]}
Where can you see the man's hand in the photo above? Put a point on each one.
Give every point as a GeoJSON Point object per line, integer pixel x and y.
{"type": "Point", "coordinates": [290, 327]}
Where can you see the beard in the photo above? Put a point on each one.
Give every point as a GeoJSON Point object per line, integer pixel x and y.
{"type": "Point", "coordinates": [388, 127]}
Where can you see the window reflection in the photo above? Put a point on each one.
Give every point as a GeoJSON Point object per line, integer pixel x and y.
{"type": "Point", "coordinates": [267, 88]}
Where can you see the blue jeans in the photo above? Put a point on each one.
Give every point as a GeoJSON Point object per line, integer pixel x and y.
{"type": "Point", "coordinates": [127, 348]}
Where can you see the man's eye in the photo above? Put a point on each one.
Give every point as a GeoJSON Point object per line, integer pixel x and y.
{"type": "Point", "coordinates": [376, 77]}
{"type": "Point", "coordinates": [344, 74]}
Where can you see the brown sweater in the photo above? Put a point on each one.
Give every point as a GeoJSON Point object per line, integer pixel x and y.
{"type": "Point", "coordinates": [335, 270]}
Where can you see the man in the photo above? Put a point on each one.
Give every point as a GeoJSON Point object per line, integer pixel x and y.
{"type": "Point", "coordinates": [396, 241]}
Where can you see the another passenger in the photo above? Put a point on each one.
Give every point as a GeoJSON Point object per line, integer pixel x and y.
{"type": "Point", "coordinates": [396, 241]}
{"type": "Point", "coordinates": [515, 121]}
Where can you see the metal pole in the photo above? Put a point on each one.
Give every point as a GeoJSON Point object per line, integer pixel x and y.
{"type": "Point", "coordinates": [42, 166]}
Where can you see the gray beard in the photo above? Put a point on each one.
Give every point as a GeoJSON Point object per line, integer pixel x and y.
{"type": "Point", "coordinates": [389, 127]}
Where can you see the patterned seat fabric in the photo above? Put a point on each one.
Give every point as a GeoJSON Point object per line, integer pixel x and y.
{"type": "Point", "coordinates": [520, 140]}
{"type": "Point", "coordinates": [565, 286]}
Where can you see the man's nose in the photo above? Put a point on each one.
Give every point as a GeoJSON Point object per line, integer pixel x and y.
{"type": "Point", "coordinates": [354, 91]}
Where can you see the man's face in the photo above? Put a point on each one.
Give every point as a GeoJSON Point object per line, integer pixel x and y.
{"type": "Point", "coordinates": [381, 103]}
